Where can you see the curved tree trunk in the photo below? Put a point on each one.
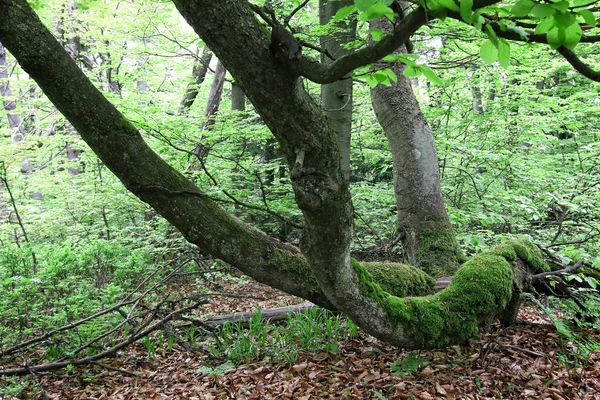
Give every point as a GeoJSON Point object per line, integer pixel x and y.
{"type": "Point", "coordinates": [423, 225]}
{"type": "Point", "coordinates": [480, 290]}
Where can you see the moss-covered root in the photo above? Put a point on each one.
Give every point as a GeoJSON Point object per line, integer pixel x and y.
{"type": "Point", "coordinates": [438, 252]}
{"type": "Point", "coordinates": [481, 290]}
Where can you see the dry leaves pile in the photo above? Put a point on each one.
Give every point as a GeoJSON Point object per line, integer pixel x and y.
{"type": "Point", "coordinates": [523, 362]}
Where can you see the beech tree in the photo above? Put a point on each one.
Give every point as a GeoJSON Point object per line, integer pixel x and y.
{"type": "Point", "coordinates": [267, 62]}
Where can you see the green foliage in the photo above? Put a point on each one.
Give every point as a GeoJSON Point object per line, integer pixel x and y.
{"type": "Point", "coordinates": [409, 364]}
{"type": "Point", "coordinates": [314, 331]}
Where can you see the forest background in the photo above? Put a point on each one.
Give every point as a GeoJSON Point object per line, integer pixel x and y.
{"type": "Point", "coordinates": [518, 151]}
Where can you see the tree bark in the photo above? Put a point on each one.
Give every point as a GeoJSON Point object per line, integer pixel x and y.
{"type": "Point", "coordinates": [423, 225]}
{"type": "Point", "coordinates": [336, 98]}
{"type": "Point", "coordinates": [214, 97]}
{"type": "Point", "coordinates": [238, 98]}
{"type": "Point", "coordinates": [479, 291]}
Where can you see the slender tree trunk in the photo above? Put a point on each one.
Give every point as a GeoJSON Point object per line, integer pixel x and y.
{"type": "Point", "coordinates": [336, 98]}
{"type": "Point", "coordinates": [10, 105]}
{"type": "Point", "coordinates": [426, 233]}
{"type": "Point", "coordinates": [198, 74]}
{"type": "Point", "coordinates": [238, 98]}
{"type": "Point", "coordinates": [214, 97]}
{"type": "Point", "coordinates": [476, 91]}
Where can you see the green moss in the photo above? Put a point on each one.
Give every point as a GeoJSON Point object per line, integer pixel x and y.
{"type": "Point", "coordinates": [401, 279]}
{"type": "Point", "coordinates": [368, 286]}
{"type": "Point", "coordinates": [127, 125]}
{"type": "Point", "coordinates": [480, 290]}
{"type": "Point", "coordinates": [438, 252]}
{"type": "Point", "coordinates": [531, 254]}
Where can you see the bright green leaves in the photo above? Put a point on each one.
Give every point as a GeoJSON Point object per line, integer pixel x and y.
{"type": "Point", "coordinates": [588, 17]}
{"type": "Point", "coordinates": [542, 11]}
{"type": "Point", "coordinates": [466, 10]}
{"type": "Point", "coordinates": [368, 10]}
{"type": "Point", "coordinates": [488, 52]}
{"type": "Point", "coordinates": [435, 5]}
{"type": "Point", "coordinates": [568, 37]}
{"type": "Point", "coordinates": [557, 19]}
{"type": "Point", "coordinates": [377, 10]}
{"type": "Point", "coordinates": [496, 50]}
{"type": "Point", "coordinates": [562, 28]}
{"type": "Point", "coordinates": [377, 34]}
{"type": "Point", "coordinates": [522, 8]}
{"type": "Point", "coordinates": [344, 12]}
{"type": "Point", "coordinates": [384, 77]}
{"type": "Point", "coordinates": [413, 69]}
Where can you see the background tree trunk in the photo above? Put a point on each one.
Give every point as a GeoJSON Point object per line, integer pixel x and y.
{"type": "Point", "coordinates": [10, 105]}
{"type": "Point", "coordinates": [423, 224]}
{"type": "Point", "coordinates": [198, 74]}
{"type": "Point", "coordinates": [238, 98]}
{"type": "Point", "coordinates": [336, 98]}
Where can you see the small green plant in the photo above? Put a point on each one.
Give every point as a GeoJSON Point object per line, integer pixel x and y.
{"type": "Point", "coordinates": [14, 388]}
{"type": "Point", "coordinates": [219, 370]}
{"type": "Point", "coordinates": [150, 346]}
{"type": "Point", "coordinates": [409, 364]}
{"type": "Point", "coordinates": [314, 331]}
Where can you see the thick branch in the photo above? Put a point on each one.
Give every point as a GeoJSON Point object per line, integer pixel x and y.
{"type": "Point", "coordinates": [120, 146]}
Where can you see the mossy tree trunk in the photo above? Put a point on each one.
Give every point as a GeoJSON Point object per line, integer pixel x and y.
{"type": "Point", "coordinates": [423, 225]}
{"type": "Point", "coordinates": [323, 272]}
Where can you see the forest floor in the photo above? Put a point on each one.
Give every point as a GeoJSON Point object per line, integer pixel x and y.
{"type": "Point", "coordinates": [527, 361]}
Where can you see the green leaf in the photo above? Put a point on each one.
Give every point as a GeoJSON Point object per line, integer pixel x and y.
{"type": "Point", "coordinates": [556, 37]}
{"type": "Point", "coordinates": [491, 34]}
{"type": "Point", "coordinates": [377, 10]}
{"type": "Point", "coordinates": [381, 77]}
{"type": "Point", "coordinates": [572, 36]}
{"type": "Point", "coordinates": [466, 7]}
{"type": "Point", "coordinates": [522, 8]}
{"type": "Point", "coordinates": [477, 19]}
{"type": "Point", "coordinates": [588, 17]}
{"type": "Point", "coordinates": [391, 74]}
{"type": "Point", "coordinates": [344, 12]}
{"type": "Point", "coordinates": [542, 11]}
{"type": "Point", "coordinates": [561, 6]}
{"type": "Point", "coordinates": [429, 74]}
{"type": "Point", "coordinates": [488, 52]}
{"type": "Point", "coordinates": [564, 19]}
{"type": "Point", "coordinates": [412, 72]}
{"type": "Point", "coordinates": [377, 34]}
{"type": "Point", "coordinates": [449, 4]}
{"type": "Point", "coordinates": [371, 81]}
{"type": "Point", "coordinates": [504, 53]}
{"type": "Point", "coordinates": [364, 5]}
{"type": "Point", "coordinates": [544, 26]}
